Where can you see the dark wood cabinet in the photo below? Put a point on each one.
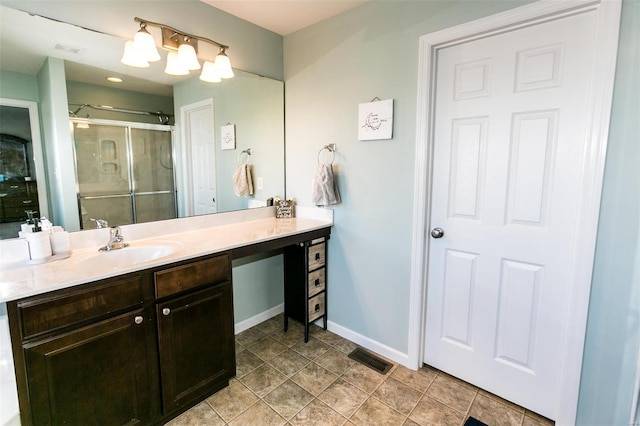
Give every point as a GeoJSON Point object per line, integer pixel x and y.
{"type": "Point", "coordinates": [196, 343]}
{"type": "Point", "coordinates": [94, 375]}
{"type": "Point", "coordinates": [135, 349]}
{"type": "Point", "coordinates": [74, 349]}
{"type": "Point", "coordinates": [305, 283]}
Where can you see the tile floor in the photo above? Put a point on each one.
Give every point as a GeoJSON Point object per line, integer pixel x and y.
{"type": "Point", "coordinates": [283, 381]}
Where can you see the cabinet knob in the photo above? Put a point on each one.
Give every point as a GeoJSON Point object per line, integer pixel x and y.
{"type": "Point", "coordinates": [317, 282]}
{"type": "Point", "coordinates": [138, 319]}
{"type": "Point", "coordinates": [317, 307]}
{"type": "Point", "coordinates": [166, 311]}
{"type": "Point", "coordinates": [317, 256]}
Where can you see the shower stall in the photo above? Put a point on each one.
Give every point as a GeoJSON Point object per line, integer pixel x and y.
{"type": "Point", "coordinates": [124, 172]}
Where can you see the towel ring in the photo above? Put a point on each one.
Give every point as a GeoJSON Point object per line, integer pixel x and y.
{"type": "Point", "coordinates": [247, 153]}
{"type": "Point", "coordinates": [332, 151]}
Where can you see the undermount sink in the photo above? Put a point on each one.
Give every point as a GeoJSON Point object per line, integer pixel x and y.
{"type": "Point", "coordinates": [133, 255]}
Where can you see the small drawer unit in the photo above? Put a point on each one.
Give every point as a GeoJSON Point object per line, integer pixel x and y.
{"type": "Point", "coordinates": [305, 283]}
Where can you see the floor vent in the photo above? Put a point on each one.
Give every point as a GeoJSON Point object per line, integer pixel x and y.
{"type": "Point", "coordinates": [370, 360]}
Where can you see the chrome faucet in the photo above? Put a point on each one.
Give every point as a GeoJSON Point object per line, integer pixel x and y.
{"type": "Point", "coordinates": [116, 240]}
{"type": "Point", "coordinates": [100, 223]}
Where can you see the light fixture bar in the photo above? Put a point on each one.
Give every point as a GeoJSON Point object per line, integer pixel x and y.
{"type": "Point", "coordinates": [183, 52]}
{"type": "Point", "coordinates": [178, 32]}
{"type": "Point", "coordinates": [172, 40]}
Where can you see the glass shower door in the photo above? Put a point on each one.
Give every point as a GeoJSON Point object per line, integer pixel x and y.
{"type": "Point", "coordinates": [125, 173]}
{"type": "Point", "coordinates": [154, 189]}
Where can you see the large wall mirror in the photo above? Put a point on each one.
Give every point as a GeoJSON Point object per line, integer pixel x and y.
{"type": "Point", "coordinates": [252, 105]}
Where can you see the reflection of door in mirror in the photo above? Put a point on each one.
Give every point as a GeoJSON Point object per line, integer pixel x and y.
{"type": "Point", "coordinates": [124, 172]}
{"type": "Point", "coordinates": [200, 147]}
{"type": "Point", "coordinates": [19, 175]}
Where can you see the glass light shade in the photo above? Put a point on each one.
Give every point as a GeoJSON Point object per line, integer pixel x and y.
{"type": "Point", "coordinates": [174, 66]}
{"type": "Point", "coordinates": [132, 58]}
{"type": "Point", "coordinates": [209, 73]}
{"type": "Point", "coordinates": [145, 45]}
{"type": "Point", "coordinates": [223, 65]}
{"type": "Point", "coordinates": [187, 56]}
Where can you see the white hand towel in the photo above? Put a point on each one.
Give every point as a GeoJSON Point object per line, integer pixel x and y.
{"type": "Point", "coordinates": [325, 189]}
{"type": "Point", "coordinates": [242, 183]}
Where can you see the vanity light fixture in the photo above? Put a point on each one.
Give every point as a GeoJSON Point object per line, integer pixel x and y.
{"type": "Point", "coordinates": [182, 57]}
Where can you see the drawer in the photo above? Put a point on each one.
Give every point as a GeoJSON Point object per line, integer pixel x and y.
{"type": "Point", "coordinates": [20, 202]}
{"type": "Point", "coordinates": [16, 188]}
{"type": "Point", "coordinates": [316, 256]}
{"type": "Point", "coordinates": [43, 313]}
{"type": "Point", "coordinates": [196, 274]}
{"type": "Point", "coordinates": [316, 281]}
{"type": "Point", "coordinates": [316, 307]}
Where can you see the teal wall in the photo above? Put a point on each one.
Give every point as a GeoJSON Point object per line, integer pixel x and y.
{"type": "Point", "coordinates": [613, 329]}
{"type": "Point", "coordinates": [372, 51]}
{"type": "Point", "coordinates": [331, 67]}
{"type": "Point", "coordinates": [19, 86]}
{"type": "Point", "coordinates": [257, 285]}
{"type": "Point", "coordinates": [57, 144]}
{"type": "Point", "coordinates": [84, 93]}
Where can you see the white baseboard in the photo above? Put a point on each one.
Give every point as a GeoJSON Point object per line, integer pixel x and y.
{"type": "Point", "coordinates": [257, 319]}
{"type": "Point", "coordinates": [370, 344]}
{"type": "Point", "coordinates": [358, 339]}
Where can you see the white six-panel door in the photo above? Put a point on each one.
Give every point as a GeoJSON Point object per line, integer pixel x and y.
{"type": "Point", "coordinates": [510, 121]}
{"type": "Point", "coordinates": [200, 137]}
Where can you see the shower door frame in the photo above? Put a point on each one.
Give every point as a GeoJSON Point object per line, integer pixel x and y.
{"type": "Point", "coordinates": [128, 126]}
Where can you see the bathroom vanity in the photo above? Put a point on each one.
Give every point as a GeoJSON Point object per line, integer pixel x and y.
{"type": "Point", "coordinates": [141, 342]}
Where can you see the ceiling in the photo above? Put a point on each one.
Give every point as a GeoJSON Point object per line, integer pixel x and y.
{"type": "Point", "coordinates": [284, 16]}
{"type": "Point", "coordinates": [89, 65]}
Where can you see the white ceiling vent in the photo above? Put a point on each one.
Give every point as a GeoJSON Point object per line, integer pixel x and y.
{"type": "Point", "coordinates": [67, 49]}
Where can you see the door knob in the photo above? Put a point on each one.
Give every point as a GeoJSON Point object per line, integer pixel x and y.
{"type": "Point", "coordinates": [437, 232]}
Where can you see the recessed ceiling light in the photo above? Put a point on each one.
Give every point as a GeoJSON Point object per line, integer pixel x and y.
{"type": "Point", "coordinates": [114, 79]}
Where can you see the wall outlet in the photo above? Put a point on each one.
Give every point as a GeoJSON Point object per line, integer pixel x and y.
{"type": "Point", "coordinates": [260, 183]}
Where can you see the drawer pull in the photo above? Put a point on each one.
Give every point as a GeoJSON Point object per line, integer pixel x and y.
{"type": "Point", "coordinates": [317, 307]}
{"type": "Point", "coordinates": [317, 282]}
{"type": "Point", "coordinates": [317, 256]}
{"type": "Point", "coordinates": [166, 311]}
{"type": "Point", "coordinates": [14, 187]}
{"type": "Point", "coordinates": [138, 319]}
{"type": "Point", "coordinates": [27, 201]}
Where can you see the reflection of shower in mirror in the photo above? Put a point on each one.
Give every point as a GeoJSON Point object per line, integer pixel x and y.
{"type": "Point", "coordinates": [124, 172]}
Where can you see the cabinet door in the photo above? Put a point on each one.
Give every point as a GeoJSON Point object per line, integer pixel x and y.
{"type": "Point", "coordinates": [95, 375]}
{"type": "Point", "coordinates": [196, 342]}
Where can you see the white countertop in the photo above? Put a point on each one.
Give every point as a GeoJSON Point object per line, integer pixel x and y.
{"type": "Point", "coordinates": [19, 279]}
